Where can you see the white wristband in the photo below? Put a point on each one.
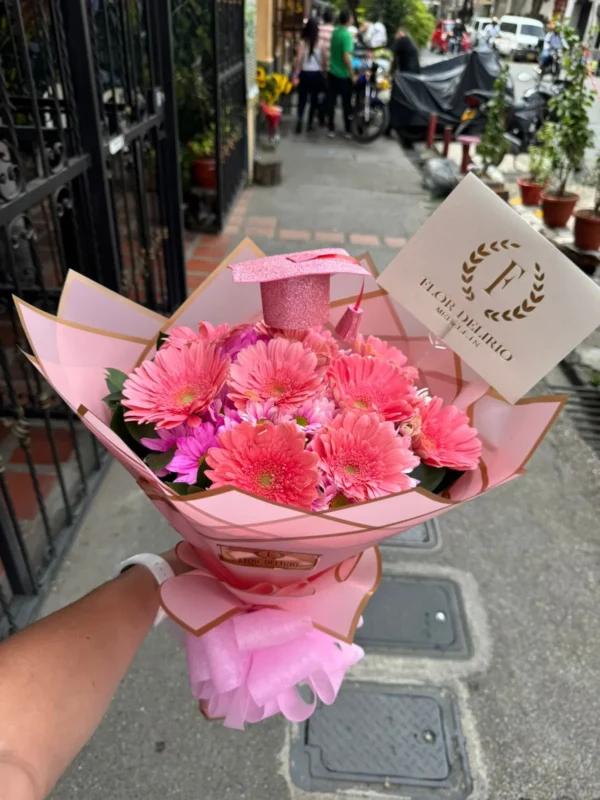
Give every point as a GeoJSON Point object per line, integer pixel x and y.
{"type": "Point", "coordinates": [160, 569]}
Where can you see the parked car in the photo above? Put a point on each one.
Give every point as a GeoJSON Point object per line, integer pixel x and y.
{"type": "Point", "coordinates": [520, 37]}
{"type": "Point", "coordinates": [440, 38]}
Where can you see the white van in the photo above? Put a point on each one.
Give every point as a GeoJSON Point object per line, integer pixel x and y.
{"type": "Point", "coordinates": [520, 38]}
{"type": "Point", "coordinates": [476, 29]}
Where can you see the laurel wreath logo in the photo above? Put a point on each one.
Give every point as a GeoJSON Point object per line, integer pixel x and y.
{"type": "Point", "coordinates": [521, 311]}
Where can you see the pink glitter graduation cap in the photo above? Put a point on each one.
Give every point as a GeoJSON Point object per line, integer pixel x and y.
{"type": "Point", "coordinates": [295, 287]}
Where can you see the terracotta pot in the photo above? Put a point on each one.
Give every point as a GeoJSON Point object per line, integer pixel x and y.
{"type": "Point", "coordinates": [530, 192]}
{"type": "Point", "coordinates": [204, 171]}
{"type": "Point", "coordinates": [557, 210]}
{"type": "Point", "coordinates": [587, 230]}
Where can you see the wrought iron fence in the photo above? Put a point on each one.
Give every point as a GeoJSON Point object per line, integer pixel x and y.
{"type": "Point", "coordinates": [89, 180]}
{"type": "Point", "coordinates": [211, 87]}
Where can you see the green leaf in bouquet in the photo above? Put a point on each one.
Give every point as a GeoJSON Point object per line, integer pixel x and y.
{"type": "Point", "coordinates": [202, 481]}
{"type": "Point", "coordinates": [183, 488]}
{"type": "Point", "coordinates": [449, 479]}
{"type": "Point", "coordinates": [115, 379]}
{"type": "Point", "coordinates": [144, 431]}
{"type": "Point", "coordinates": [162, 338]}
{"type": "Point", "coordinates": [158, 461]}
{"type": "Point", "coordinates": [119, 426]}
{"type": "Point", "coordinates": [112, 400]}
{"type": "Point", "coordinates": [429, 478]}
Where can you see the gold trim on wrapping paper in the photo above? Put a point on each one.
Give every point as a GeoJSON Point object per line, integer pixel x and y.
{"type": "Point", "coordinates": [346, 301]}
{"type": "Point", "coordinates": [72, 275]}
{"type": "Point", "coordinates": [349, 638]}
{"type": "Point", "coordinates": [485, 478]}
{"type": "Point", "coordinates": [206, 628]}
{"type": "Point", "coordinates": [247, 242]}
{"type": "Point", "coordinates": [337, 575]}
{"type": "Point", "coordinates": [98, 331]}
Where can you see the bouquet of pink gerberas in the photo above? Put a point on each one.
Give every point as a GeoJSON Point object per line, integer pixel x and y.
{"type": "Point", "coordinates": [287, 418]}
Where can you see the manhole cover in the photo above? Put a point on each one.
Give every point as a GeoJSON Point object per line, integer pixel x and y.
{"type": "Point", "coordinates": [405, 738]}
{"type": "Point", "coordinates": [425, 535]}
{"type": "Point", "coordinates": [416, 615]}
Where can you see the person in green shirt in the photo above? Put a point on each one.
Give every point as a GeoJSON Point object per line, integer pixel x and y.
{"type": "Point", "coordinates": [340, 78]}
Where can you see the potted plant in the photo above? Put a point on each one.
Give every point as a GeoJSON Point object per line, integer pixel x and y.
{"type": "Point", "coordinates": [587, 220]}
{"type": "Point", "coordinates": [203, 163]}
{"type": "Point", "coordinates": [539, 171]}
{"type": "Point", "coordinates": [271, 88]}
{"type": "Point", "coordinates": [493, 146]}
{"type": "Point", "coordinates": [568, 136]}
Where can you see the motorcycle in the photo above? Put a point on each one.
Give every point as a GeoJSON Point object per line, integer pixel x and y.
{"type": "Point", "coordinates": [524, 118]}
{"type": "Point", "coordinates": [552, 66]}
{"type": "Point", "coordinates": [370, 117]}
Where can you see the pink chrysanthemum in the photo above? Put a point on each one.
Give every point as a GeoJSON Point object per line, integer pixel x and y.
{"type": "Point", "coordinates": [371, 385]}
{"type": "Point", "coordinates": [240, 337]}
{"type": "Point", "coordinates": [364, 457]}
{"type": "Point", "coordinates": [312, 415]}
{"type": "Point", "coordinates": [176, 387]}
{"type": "Point", "coordinates": [191, 451]}
{"type": "Point", "coordinates": [446, 439]}
{"type": "Point", "coordinates": [166, 438]}
{"type": "Point", "coordinates": [375, 347]}
{"type": "Point", "coordinates": [267, 460]}
{"type": "Point", "coordinates": [277, 370]}
{"type": "Point", "coordinates": [257, 413]}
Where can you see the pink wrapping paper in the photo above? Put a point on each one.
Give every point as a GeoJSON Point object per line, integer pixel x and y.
{"type": "Point", "coordinates": [249, 555]}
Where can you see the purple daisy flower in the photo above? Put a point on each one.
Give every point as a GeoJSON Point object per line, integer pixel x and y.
{"type": "Point", "coordinates": [190, 453]}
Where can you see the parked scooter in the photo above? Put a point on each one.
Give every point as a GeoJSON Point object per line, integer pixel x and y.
{"type": "Point", "coordinates": [524, 118]}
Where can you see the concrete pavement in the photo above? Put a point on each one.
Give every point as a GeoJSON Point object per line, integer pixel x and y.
{"type": "Point", "coordinates": [526, 557]}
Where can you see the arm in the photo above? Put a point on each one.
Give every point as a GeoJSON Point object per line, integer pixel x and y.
{"type": "Point", "coordinates": [348, 63]}
{"type": "Point", "coordinates": [58, 676]}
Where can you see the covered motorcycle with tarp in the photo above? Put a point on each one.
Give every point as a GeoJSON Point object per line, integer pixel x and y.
{"type": "Point", "coordinates": [440, 89]}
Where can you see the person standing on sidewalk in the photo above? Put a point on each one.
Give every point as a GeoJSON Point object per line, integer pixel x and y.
{"type": "Point", "coordinates": [325, 33]}
{"type": "Point", "coordinates": [340, 76]}
{"type": "Point", "coordinates": [309, 67]}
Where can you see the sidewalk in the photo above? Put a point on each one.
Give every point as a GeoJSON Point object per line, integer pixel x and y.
{"type": "Point", "coordinates": [526, 560]}
{"type": "Point", "coordinates": [334, 193]}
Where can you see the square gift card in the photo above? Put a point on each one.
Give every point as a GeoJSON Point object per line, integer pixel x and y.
{"type": "Point", "coordinates": [493, 289]}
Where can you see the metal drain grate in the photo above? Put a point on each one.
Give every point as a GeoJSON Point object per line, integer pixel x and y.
{"type": "Point", "coordinates": [407, 740]}
{"type": "Point", "coordinates": [423, 536]}
{"type": "Point", "coordinates": [416, 615]}
{"type": "Point", "coordinates": [583, 407]}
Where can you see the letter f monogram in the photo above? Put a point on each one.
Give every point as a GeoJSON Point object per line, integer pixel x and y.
{"type": "Point", "coordinates": [504, 276]}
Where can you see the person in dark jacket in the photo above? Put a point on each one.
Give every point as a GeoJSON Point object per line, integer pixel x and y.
{"type": "Point", "coordinates": [406, 54]}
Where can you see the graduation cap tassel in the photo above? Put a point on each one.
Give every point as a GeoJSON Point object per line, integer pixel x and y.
{"type": "Point", "coordinates": [349, 324]}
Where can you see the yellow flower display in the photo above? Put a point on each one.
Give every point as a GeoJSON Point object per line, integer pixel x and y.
{"type": "Point", "coordinates": [272, 86]}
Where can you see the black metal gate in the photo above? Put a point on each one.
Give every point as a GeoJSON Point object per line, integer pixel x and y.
{"type": "Point", "coordinates": [211, 85]}
{"type": "Point", "coordinates": [230, 101]}
{"type": "Point", "coordinates": [89, 180]}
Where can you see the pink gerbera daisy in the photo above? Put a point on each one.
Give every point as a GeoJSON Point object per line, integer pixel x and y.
{"type": "Point", "coordinates": [179, 338]}
{"type": "Point", "coordinates": [446, 438]}
{"type": "Point", "coordinates": [267, 460]}
{"type": "Point", "coordinates": [191, 451]}
{"type": "Point", "coordinates": [364, 457]}
{"type": "Point", "coordinates": [368, 384]}
{"type": "Point", "coordinates": [377, 348]}
{"type": "Point", "coordinates": [319, 341]}
{"type": "Point", "coordinates": [176, 387]}
{"type": "Point", "coordinates": [277, 370]}
{"type": "Point", "coordinates": [210, 333]}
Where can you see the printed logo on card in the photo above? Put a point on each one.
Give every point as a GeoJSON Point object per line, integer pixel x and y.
{"type": "Point", "coordinates": [513, 272]}
{"type": "Point", "coordinates": [267, 559]}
